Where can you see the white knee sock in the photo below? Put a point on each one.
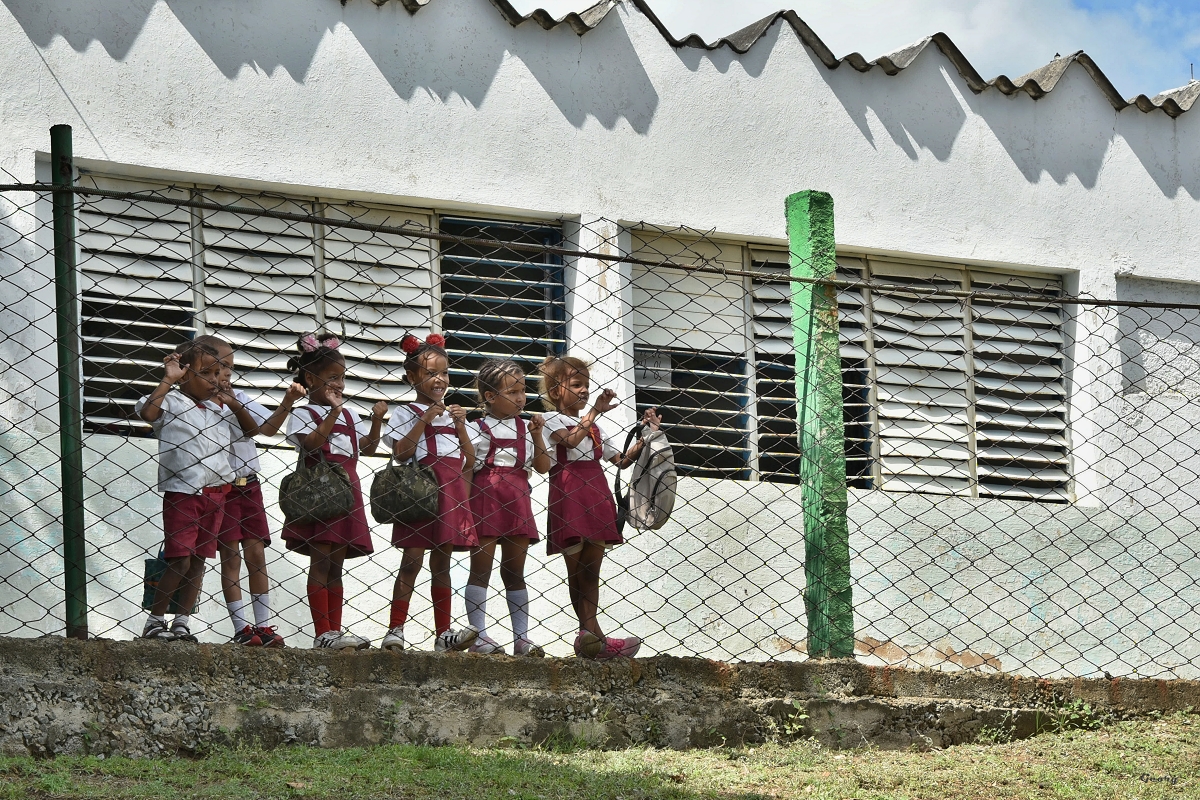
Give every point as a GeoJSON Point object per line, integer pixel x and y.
{"type": "Point", "coordinates": [182, 619]}
{"type": "Point", "coordinates": [518, 612]}
{"type": "Point", "coordinates": [262, 608]}
{"type": "Point", "coordinates": [237, 614]}
{"type": "Point", "coordinates": [476, 598]}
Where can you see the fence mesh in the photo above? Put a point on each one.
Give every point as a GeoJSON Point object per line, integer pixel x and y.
{"type": "Point", "coordinates": [1012, 485]}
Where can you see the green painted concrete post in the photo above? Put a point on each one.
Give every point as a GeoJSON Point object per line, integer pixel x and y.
{"type": "Point", "coordinates": [827, 596]}
{"type": "Point", "coordinates": [70, 408]}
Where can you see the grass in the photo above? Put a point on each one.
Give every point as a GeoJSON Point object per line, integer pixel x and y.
{"type": "Point", "coordinates": [1144, 759]}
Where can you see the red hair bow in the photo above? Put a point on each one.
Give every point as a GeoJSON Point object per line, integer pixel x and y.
{"type": "Point", "coordinates": [410, 344]}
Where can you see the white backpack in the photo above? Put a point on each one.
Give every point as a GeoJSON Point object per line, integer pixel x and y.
{"type": "Point", "coordinates": [650, 497]}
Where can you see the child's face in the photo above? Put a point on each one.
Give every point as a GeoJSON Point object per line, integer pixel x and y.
{"type": "Point", "coordinates": [573, 392]}
{"type": "Point", "coordinates": [225, 357]}
{"type": "Point", "coordinates": [326, 387]}
{"type": "Point", "coordinates": [203, 377]}
{"type": "Point", "coordinates": [510, 400]}
{"type": "Point", "coordinates": [431, 379]}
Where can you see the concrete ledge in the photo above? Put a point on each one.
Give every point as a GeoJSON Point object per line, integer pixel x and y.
{"type": "Point", "coordinates": [145, 698]}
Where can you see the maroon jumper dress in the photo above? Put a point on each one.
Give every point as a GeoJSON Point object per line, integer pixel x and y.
{"type": "Point", "coordinates": [500, 496]}
{"type": "Point", "coordinates": [453, 523]}
{"type": "Point", "coordinates": [581, 506]}
{"type": "Point", "coordinates": [352, 529]}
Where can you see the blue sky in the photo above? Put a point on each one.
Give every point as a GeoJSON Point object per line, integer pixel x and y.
{"type": "Point", "coordinates": [1144, 47]}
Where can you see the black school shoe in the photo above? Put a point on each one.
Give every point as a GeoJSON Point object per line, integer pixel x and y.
{"type": "Point", "coordinates": [180, 633]}
{"type": "Point", "coordinates": [157, 630]}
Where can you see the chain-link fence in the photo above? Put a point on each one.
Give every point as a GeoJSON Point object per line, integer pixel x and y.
{"type": "Point", "coordinates": [980, 472]}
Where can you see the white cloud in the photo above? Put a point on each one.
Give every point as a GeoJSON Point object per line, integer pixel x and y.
{"type": "Point", "coordinates": [1143, 48]}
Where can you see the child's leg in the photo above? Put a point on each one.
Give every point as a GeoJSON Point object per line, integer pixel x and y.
{"type": "Point", "coordinates": [255, 553]}
{"type": "Point", "coordinates": [439, 580]}
{"type": "Point", "coordinates": [337, 556]}
{"type": "Point", "coordinates": [477, 585]}
{"type": "Point", "coordinates": [585, 585]}
{"type": "Point", "coordinates": [193, 579]}
{"type": "Point", "coordinates": [406, 579]}
{"type": "Point", "coordinates": [318, 589]}
{"type": "Point", "coordinates": [173, 577]}
{"type": "Point", "coordinates": [231, 571]}
{"type": "Point", "coordinates": [512, 572]}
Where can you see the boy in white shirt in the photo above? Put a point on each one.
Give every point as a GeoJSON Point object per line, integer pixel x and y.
{"type": "Point", "coordinates": [195, 425]}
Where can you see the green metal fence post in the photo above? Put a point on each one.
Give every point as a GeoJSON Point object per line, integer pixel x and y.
{"type": "Point", "coordinates": [70, 409]}
{"type": "Point", "coordinates": [827, 597]}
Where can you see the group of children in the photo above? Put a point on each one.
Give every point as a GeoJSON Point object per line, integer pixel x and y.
{"type": "Point", "coordinates": [212, 501]}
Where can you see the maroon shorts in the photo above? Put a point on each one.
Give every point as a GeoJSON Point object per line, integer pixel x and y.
{"type": "Point", "coordinates": [245, 515]}
{"type": "Point", "coordinates": [191, 522]}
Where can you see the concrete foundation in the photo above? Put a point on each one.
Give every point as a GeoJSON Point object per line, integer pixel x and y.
{"type": "Point", "coordinates": [149, 698]}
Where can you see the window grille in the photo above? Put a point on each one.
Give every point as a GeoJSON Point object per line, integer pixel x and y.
{"type": "Point", "coordinates": [690, 339]}
{"type": "Point", "coordinates": [153, 276]}
{"type": "Point", "coordinates": [498, 302]}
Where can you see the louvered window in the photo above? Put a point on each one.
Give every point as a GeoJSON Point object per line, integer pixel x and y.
{"type": "Point", "coordinates": [691, 344]}
{"type": "Point", "coordinates": [775, 375]}
{"type": "Point", "coordinates": [966, 396]}
{"type": "Point", "coordinates": [154, 275]}
{"type": "Point", "coordinates": [500, 302]}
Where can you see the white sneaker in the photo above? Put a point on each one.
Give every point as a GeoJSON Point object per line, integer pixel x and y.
{"type": "Point", "coordinates": [337, 640]}
{"type": "Point", "coordinates": [394, 640]}
{"type": "Point", "coordinates": [486, 645]}
{"type": "Point", "coordinates": [524, 647]}
{"type": "Point", "coordinates": [453, 640]}
{"type": "Point", "coordinates": [329, 640]}
{"type": "Point", "coordinates": [349, 640]}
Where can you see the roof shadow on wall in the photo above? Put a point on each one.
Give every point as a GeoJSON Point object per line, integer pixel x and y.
{"type": "Point", "coordinates": [458, 48]}
{"type": "Point", "coordinates": [115, 26]}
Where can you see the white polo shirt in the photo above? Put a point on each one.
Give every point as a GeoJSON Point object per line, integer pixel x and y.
{"type": "Point", "coordinates": [583, 451]}
{"type": "Point", "coordinates": [244, 452]}
{"type": "Point", "coordinates": [194, 442]}
{"type": "Point", "coordinates": [404, 419]}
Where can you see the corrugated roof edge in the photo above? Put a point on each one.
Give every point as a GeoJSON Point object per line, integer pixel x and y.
{"type": "Point", "coordinates": [1036, 84]}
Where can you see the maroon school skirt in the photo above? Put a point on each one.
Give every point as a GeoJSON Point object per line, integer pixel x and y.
{"type": "Point", "coordinates": [581, 506]}
{"type": "Point", "coordinates": [453, 523]}
{"type": "Point", "coordinates": [501, 504]}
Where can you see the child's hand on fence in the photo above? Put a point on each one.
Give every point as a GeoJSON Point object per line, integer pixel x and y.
{"type": "Point", "coordinates": [536, 424]}
{"type": "Point", "coordinates": [434, 411]}
{"type": "Point", "coordinates": [379, 410]}
{"type": "Point", "coordinates": [607, 401]}
{"type": "Point", "coordinates": [294, 393]}
{"type": "Point", "coordinates": [336, 398]}
{"type": "Point", "coordinates": [458, 414]}
{"type": "Point", "coordinates": [652, 419]}
{"type": "Point", "coordinates": [224, 394]}
{"type": "Point", "coordinates": [173, 371]}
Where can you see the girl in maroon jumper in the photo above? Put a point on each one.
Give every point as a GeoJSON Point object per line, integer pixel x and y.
{"type": "Point", "coordinates": [500, 501]}
{"type": "Point", "coordinates": [325, 426]}
{"type": "Point", "coordinates": [435, 435]}
{"type": "Point", "coordinates": [582, 518]}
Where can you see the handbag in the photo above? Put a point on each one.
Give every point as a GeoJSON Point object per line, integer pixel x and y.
{"type": "Point", "coordinates": [155, 568]}
{"type": "Point", "coordinates": [317, 493]}
{"type": "Point", "coordinates": [405, 493]}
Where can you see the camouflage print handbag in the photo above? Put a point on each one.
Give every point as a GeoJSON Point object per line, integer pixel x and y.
{"type": "Point", "coordinates": [317, 493]}
{"type": "Point", "coordinates": [405, 493]}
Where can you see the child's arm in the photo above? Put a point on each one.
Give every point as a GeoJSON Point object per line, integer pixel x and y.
{"type": "Point", "coordinates": [464, 438]}
{"type": "Point", "coordinates": [316, 439]}
{"type": "Point", "coordinates": [271, 426]}
{"type": "Point", "coordinates": [173, 372]}
{"type": "Point", "coordinates": [653, 421]}
{"type": "Point", "coordinates": [244, 417]}
{"type": "Point", "coordinates": [571, 437]}
{"type": "Point", "coordinates": [370, 442]}
{"type": "Point", "coordinates": [406, 447]}
{"type": "Point", "coordinates": [541, 456]}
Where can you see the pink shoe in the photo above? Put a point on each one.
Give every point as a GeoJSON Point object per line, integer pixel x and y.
{"type": "Point", "coordinates": [612, 649]}
{"type": "Point", "coordinates": [631, 646]}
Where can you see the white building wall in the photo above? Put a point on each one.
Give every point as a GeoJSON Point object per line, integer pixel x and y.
{"type": "Point", "coordinates": [455, 109]}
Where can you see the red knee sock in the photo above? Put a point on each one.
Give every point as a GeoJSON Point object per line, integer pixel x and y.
{"type": "Point", "coordinates": [336, 601]}
{"type": "Point", "coordinates": [318, 604]}
{"type": "Point", "coordinates": [441, 608]}
{"type": "Point", "coordinates": [399, 613]}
